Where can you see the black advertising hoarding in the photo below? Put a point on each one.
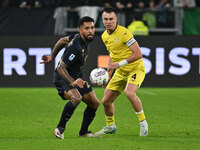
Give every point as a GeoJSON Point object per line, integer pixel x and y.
{"type": "Point", "coordinates": [170, 61]}
{"type": "Point", "coordinates": [19, 66]}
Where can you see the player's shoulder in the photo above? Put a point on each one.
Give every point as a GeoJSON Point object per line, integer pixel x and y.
{"type": "Point", "coordinates": [123, 30]}
{"type": "Point", "coordinates": [76, 42]}
{"type": "Point", "coordinates": [104, 34]}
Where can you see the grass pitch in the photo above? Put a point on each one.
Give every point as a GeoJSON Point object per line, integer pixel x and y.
{"type": "Point", "coordinates": [28, 117]}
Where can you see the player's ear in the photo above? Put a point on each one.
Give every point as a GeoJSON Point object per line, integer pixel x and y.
{"type": "Point", "coordinates": [80, 29]}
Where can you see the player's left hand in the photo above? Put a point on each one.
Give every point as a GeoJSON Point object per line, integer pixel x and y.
{"type": "Point", "coordinates": [46, 59]}
{"type": "Point", "coordinates": [79, 82]}
{"type": "Point", "coordinates": [113, 65]}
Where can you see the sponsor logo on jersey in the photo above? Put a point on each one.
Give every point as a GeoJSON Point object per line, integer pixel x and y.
{"type": "Point", "coordinates": [71, 57]}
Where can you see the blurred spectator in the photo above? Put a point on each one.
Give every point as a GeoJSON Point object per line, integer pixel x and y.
{"type": "Point", "coordinates": [141, 4]}
{"type": "Point", "coordinates": [65, 16]}
{"type": "Point", "coordinates": [137, 27]}
{"type": "Point", "coordinates": [149, 15]}
{"type": "Point", "coordinates": [123, 5]}
{"type": "Point", "coordinates": [152, 5]}
{"type": "Point", "coordinates": [184, 3]}
{"type": "Point", "coordinates": [131, 4]}
{"type": "Point", "coordinates": [60, 16]}
{"type": "Point", "coordinates": [28, 4]}
{"type": "Point", "coordinates": [164, 5]}
{"type": "Point", "coordinates": [107, 3]}
{"type": "Point", "coordinates": [165, 17]}
{"type": "Point", "coordinates": [89, 8]}
{"type": "Point", "coordinates": [138, 7]}
{"type": "Point", "coordinates": [120, 5]}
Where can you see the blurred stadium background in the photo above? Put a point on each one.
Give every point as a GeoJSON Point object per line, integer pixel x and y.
{"type": "Point", "coordinates": [170, 45]}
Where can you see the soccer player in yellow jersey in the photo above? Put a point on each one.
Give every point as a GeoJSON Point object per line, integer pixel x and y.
{"type": "Point", "coordinates": [124, 56]}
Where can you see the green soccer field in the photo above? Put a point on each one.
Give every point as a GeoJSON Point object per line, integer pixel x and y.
{"type": "Point", "coordinates": [28, 117]}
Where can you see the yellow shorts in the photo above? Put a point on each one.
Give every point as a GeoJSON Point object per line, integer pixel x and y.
{"type": "Point", "coordinates": [120, 78]}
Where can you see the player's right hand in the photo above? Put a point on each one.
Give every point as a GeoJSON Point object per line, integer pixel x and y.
{"type": "Point", "coordinates": [79, 82]}
{"type": "Point", "coordinates": [46, 59]}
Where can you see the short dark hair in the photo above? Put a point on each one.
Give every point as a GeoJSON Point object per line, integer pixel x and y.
{"type": "Point", "coordinates": [85, 19]}
{"type": "Point", "coordinates": [109, 10]}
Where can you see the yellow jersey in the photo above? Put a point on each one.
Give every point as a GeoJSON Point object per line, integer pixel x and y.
{"type": "Point", "coordinates": [118, 43]}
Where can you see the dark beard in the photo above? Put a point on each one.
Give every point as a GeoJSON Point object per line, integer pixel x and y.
{"type": "Point", "coordinates": [88, 40]}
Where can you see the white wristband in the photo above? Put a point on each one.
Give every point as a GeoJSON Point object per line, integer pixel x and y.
{"type": "Point", "coordinates": [123, 62]}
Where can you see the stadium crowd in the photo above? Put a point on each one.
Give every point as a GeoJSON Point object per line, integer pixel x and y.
{"type": "Point", "coordinates": [145, 14]}
{"type": "Point", "coordinates": [125, 5]}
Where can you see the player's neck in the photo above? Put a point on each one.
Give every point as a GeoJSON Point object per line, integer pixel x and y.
{"type": "Point", "coordinates": [111, 30]}
{"type": "Point", "coordinates": [84, 40]}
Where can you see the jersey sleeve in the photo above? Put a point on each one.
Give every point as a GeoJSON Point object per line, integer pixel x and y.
{"type": "Point", "coordinates": [71, 37]}
{"type": "Point", "coordinates": [70, 55]}
{"type": "Point", "coordinates": [128, 38]}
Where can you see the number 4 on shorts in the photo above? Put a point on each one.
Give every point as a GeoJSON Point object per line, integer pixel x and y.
{"type": "Point", "coordinates": [134, 76]}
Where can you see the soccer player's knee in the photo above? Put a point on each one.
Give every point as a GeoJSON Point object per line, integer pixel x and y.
{"type": "Point", "coordinates": [130, 94]}
{"type": "Point", "coordinates": [79, 98]}
{"type": "Point", "coordinates": [76, 100]}
{"type": "Point", "coordinates": [97, 103]}
{"type": "Point", "coordinates": [106, 103]}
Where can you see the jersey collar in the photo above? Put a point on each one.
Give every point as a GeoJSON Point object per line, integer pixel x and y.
{"type": "Point", "coordinates": [113, 30]}
{"type": "Point", "coordinates": [82, 42]}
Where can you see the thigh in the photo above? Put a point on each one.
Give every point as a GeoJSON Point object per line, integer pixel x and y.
{"type": "Point", "coordinates": [62, 88]}
{"type": "Point", "coordinates": [65, 90]}
{"type": "Point", "coordinates": [110, 96]}
{"type": "Point", "coordinates": [117, 83]}
{"type": "Point", "coordinates": [136, 77]}
{"type": "Point", "coordinates": [86, 89]}
{"type": "Point", "coordinates": [131, 88]}
{"type": "Point", "coordinates": [74, 96]}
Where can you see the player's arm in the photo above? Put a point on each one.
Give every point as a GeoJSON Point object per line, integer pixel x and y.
{"type": "Point", "coordinates": [61, 68]}
{"type": "Point", "coordinates": [136, 54]}
{"type": "Point", "coordinates": [58, 46]}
